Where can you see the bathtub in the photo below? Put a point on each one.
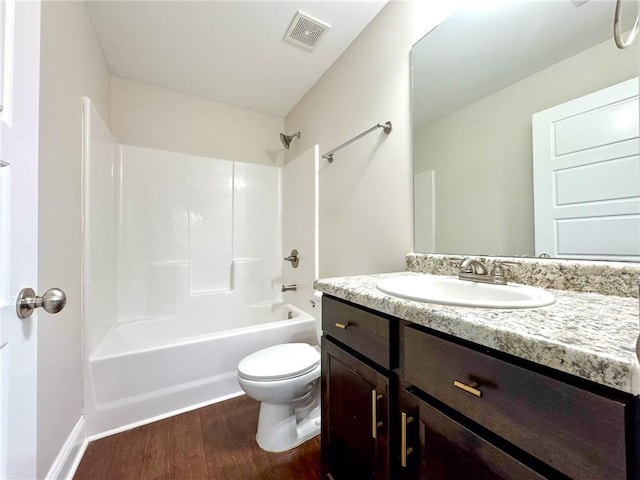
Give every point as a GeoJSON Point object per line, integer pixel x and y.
{"type": "Point", "coordinates": [141, 373]}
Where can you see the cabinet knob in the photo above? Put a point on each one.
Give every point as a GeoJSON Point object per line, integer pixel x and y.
{"type": "Point", "coordinates": [343, 326]}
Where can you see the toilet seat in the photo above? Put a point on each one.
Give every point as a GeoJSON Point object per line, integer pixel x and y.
{"type": "Point", "coordinates": [279, 362]}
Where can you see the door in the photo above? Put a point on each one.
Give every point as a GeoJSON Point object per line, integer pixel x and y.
{"type": "Point", "coordinates": [18, 234]}
{"type": "Point", "coordinates": [437, 447]}
{"type": "Point", "coordinates": [586, 172]}
{"type": "Point", "coordinates": [355, 417]}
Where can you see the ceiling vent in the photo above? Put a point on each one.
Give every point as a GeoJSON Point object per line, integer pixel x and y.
{"type": "Point", "coordinates": [305, 31]}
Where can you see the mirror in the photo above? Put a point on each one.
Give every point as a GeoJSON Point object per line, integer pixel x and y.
{"type": "Point", "coordinates": [477, 80]}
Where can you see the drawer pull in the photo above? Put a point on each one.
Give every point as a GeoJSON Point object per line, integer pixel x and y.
{"type": "Point", "coordinates": [404, 451]}
{"type": "Point", "coordinates": [343, 326]}
{"type": "Point", "coordinates": [375, 424]}
{"type": "Point", "coordinates": [468, 388]}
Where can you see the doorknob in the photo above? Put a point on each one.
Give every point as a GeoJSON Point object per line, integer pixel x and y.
{"type": "Point", "coordinates": [52, 301]}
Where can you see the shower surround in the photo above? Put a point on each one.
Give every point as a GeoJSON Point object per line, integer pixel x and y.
{"type": "Point", "coordinates": [182, 277]}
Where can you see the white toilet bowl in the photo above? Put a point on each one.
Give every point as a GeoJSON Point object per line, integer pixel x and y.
{"type": "Point", "coordinates": [286, 380]}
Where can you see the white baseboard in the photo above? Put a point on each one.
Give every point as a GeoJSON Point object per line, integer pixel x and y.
{"type": "Point", "coordinates": [67, 461]}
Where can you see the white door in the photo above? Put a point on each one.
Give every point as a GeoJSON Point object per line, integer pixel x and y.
{"type": "Point", "coordinates": [18, 235]}
{"type": "Point", "coordinates": [586, 172]}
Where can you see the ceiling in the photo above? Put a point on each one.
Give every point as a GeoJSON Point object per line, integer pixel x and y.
{"type": "Point", "coordinates": [467, 57]}
{"type": "Point", "coordinates": [228, 51]}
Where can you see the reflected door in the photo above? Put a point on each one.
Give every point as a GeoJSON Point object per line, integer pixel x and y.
{"type": "Point", "coordinates": [587, 176]}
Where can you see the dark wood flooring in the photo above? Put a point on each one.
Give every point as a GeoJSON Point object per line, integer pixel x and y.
{"type": "Point", "coordinates": [214, 442]}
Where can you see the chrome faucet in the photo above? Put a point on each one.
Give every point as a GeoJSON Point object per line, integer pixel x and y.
{"type": "Point", "coordinates": [294, 258]}
{"type": "Point", "coordinates": [472, 265]}
{"type": "Point", "coordinates": [474, 270]}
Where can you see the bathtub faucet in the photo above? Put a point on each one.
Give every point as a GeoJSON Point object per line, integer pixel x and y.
{"type": "Point", "coordinates": [289, 288]}
{"type": "Point", "coordinates": [294, 258]}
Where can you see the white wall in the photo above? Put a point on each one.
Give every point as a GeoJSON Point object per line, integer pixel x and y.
{"type": "Point", "coordinates": [366, 213]}
{"type": "Point", "coordinates": [71, 66]}
{"type": "Point", "coordinates": [154, 117]}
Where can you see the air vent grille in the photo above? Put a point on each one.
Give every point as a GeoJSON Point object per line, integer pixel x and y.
{"type": "Point", "coordinates": [305, 31]}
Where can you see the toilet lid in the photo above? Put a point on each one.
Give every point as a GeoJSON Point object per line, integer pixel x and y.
{"type": "Point", "coordinates": [279, 362]}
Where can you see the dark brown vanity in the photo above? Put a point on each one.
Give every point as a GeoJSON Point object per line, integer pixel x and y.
{"type": "Point", "coordinates": [360, 358]}
{"type": "Point", "coordinates": [403, 401]}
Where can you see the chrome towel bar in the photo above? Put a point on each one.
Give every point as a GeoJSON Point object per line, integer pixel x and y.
{"type": "Point", "coordinates": [387, 129]}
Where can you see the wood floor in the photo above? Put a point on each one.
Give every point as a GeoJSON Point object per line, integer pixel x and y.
{"type": "Point", "coordinates": [215, 442]}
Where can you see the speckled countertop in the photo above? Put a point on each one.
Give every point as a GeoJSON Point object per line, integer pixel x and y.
{"type": "Point", "coordinates": [589, 335]}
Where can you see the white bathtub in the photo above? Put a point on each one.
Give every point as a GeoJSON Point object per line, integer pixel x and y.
{"type": "Point", "coordinates": [154, 368]}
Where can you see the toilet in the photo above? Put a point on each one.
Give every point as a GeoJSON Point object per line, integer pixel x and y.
{"type": "Point", "coordinates": [286, 380]}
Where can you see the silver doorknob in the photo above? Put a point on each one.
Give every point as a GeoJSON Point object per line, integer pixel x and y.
{"type": "Point", "coordinates": [52, 301]}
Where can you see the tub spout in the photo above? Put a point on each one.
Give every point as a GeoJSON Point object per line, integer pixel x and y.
{"type": "Point", "coordinates": [289, 288]}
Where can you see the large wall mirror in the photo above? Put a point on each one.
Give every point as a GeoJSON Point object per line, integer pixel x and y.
{"type": "Point", "coordinates": [481, 80]}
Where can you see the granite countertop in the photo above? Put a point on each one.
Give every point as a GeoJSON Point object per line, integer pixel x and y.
{"type": "Point", "coordinates": [589, 335]}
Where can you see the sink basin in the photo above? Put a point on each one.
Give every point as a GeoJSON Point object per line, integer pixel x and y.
{"type": "Point", "coordinates": [453, 291]}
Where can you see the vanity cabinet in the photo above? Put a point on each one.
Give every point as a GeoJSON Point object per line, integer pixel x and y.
{"type": "Point", "coordinates": [355, 421]}
{"type": "Point", "coordinates": [401, 401]}
{"type": "Point", "coordinates": [357, 390]}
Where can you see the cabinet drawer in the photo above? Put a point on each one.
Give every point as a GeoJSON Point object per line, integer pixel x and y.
{"type": "Point", "coordinates": [365, 332]}
{"type": "Point", "coordinates": [575, 431]}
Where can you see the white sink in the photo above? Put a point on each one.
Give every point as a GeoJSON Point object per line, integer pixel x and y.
{"type": "Point", "coordinates": [453, 291]}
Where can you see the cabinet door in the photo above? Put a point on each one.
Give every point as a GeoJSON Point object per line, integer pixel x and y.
{"type": "Point", "coordinates": [440, 448]}
{"type": "Point", "coordinates": [355, 417]}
